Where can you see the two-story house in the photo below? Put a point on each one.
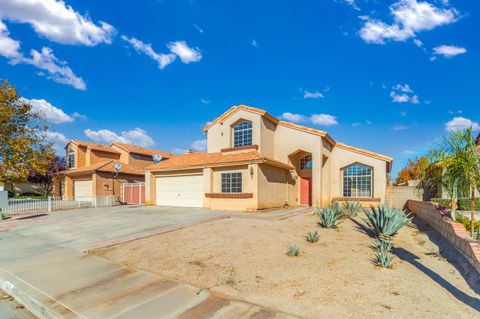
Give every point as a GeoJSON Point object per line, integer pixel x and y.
{"type": "Point", "coordinates": [256, 161]}
{"type": "Point", "coordinates": [96, 169]}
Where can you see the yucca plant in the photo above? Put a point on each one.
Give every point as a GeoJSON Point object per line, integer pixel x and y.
{"type": "Point", "coordinates": [384, 259]}
{"type": "Point", "coordinates": [312, 237]}
{"type": "Point", "coordinates": [382, 245]}
{"type": "Point", "coordinates": [352, 208]}
{"type": "Point", "coordinates": [329, 217]}
{"type": "Point", "coordinates": [292, 250]}
{"type": "Point", "coordinates": [385, 221]}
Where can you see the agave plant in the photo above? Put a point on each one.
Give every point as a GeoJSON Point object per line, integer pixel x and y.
{"type": "Point", "coordinates": [292, 250]}
{"type": "Point", "coordinates": [329, 217]}
{"type": "Point", "coordinates": [382, 245]}
{"type": "Point", "coordinates": [312, 237]}
{"type": "Point", "coordinates": [337, 208]}
{"type": "Point", "coordinates": [385, 221]}
{"type": "Point", "coordinates": [352, 208]}
{"type": "Point", "coordinates": [384, 259]}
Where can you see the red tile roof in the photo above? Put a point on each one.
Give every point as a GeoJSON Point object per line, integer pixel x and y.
{"type": "Point", "coordinates": [106, 166]}
{"type": "Point", "coordinates": [199, 160]}
{"type": "Point", "coordinates": [141, 150]}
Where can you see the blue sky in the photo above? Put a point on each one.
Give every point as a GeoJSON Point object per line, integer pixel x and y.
{"type": "Point", "coordinates": [388, 76]}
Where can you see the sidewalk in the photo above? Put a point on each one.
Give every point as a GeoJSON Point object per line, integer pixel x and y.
{"type": "Point", "coordinates": [58, 282]}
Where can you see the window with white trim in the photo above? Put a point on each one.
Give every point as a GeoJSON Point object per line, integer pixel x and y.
{"type": "Point", "coordinates": [242, 134]}
{"type": "Point", "coordinates": [357, 181]}
{"type": "Point", "coordinates": [231, 182]}
{"type": "Point", "coordinates": [71, 158]}
{"type": "Point", "coordinates": [306, 162]}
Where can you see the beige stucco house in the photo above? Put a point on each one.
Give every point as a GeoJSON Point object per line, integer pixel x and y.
{"type": "Point", "coordinates": [91, 168]}
{"type": "Point", "coordinates": [256, 161]}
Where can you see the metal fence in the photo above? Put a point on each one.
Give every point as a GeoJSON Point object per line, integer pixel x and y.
{"type": "Point", "coordinates": [28, 206]}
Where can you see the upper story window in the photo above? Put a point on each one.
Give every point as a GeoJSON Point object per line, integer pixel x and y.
{"type": "Point", "coordinates": [231, 182]}
{"type": "Point", "coordinates": [71, 158]}
{"type": "Point", "coordinates": [242, 134]}
{"type": "Point", "coordinates": [306, 162]}
{"type": "Point", "coordinates": [357, 181]}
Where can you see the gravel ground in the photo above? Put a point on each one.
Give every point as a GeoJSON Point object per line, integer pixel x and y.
{"type": "Point", "coordinates": [335, 277]}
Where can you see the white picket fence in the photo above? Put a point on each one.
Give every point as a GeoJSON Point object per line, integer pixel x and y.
{"type": "Point", "coordinates": [27, 206]}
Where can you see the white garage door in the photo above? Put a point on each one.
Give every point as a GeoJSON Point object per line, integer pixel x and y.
{"type": "Point", "coordinates": [83, 190]}
{"type": "Point", "coordinates": [180, 191]}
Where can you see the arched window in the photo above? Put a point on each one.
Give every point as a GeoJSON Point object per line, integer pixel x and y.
{"type": "Point", "coordinates": [306, 162]}
{"type": "Point", "coordinates": [242, 134]}
{"type": "Point", "coordinates": [357, 181]}
{"type": "Point", "coordinates": [71, 158]}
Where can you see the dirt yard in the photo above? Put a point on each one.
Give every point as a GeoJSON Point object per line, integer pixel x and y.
{"type": "Point", "coordinates": [335, 277]}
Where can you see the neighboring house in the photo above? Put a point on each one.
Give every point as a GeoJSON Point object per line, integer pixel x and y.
{"type": "Point", "coordinates": [90, 168]}
{"type": "Point", "coordinates": [255, 161]}
{"type": "Point", "coordinates": [22, 188]}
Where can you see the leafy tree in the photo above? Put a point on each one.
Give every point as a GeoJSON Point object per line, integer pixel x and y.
{"type": "Point", "coordinates": [459, 159]}
{"type": "Point", "coordinates": [23, 145]}
{"type": "Point", "coordinates": [409, 172]}
{"type": "Point", "coordinates": [45, 179]}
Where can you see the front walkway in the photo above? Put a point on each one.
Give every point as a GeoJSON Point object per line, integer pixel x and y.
{"type": "Point", "coordinates": [42, 265]}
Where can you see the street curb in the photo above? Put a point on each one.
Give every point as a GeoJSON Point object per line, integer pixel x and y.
{"type": "Point", "coordinates": [35, 301]}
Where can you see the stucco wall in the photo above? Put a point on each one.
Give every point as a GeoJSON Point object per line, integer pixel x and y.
{"type": "Point", "coordinates": [341, 158]}
{"type": "Point", "coordinates": [249, 185]}
{"type": "Point", "coordinates": [276, 187]}
{"type": "Point", "coordinates": [98, 156]}
{"type": "Point", "coordinates": [103, 183]}
{"type": "Point", "coordinates": [397, 196]}
{"type": "Point", "coordinates": [220, 135]}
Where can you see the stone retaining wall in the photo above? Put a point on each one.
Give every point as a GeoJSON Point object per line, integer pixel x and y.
{"type": "Point", "coordinates": [453, 232]}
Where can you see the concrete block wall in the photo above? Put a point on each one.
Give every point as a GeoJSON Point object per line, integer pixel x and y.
{"type": "Point", "coordinates": [454, 233]}
{"type": "Point", "coordinates": [397, 196]}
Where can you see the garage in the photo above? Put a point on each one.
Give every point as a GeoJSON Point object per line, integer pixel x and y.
{"type": "Point", "coordinates": [83, 190]}
{"type": "Point", "coordinates": [179, 190]}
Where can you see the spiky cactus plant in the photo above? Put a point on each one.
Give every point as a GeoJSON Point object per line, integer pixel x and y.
{"type": "Point", "coordinates": [352, 208]}
{"type": "Point", "coordinates": [385, 221]}
{"type": "Point", "coordinates": [329, 217]}
{"type": "Point", "coordinates": [384, 259]}
{"type": "Point", "coordinates": [292, 251]}
{"type": "Point", "coordinates": [312, 237]}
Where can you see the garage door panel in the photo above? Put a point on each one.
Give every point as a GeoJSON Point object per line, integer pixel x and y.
{"type": "Point", "coordinates": [83, 190]}
{"type": "Point", "coordinates": [180, 191]}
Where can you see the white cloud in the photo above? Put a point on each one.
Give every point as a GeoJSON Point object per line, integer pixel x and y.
{"type": "Point", "coordinates": [409, 18]}
{"type": "Point", "coordinates": [51, 113]}
{"type": "Point", "coordinates": [313, 95]}
{"type": "Point", "coordinates": [56, 21]}
{"type": "Point", "coordinates": [460, 123]}
{"type": "Point", "coordinates": [448, 51]}
{"type": "Point", "coordinates": [399, 128]}
{"type": "Point", "coordinates": [184, 52]}
{"type": "Point", "coordinates": [58, 141]}
{"type": "Point", "coordinates": [409, 152]}
{"type": "Point", "coordinates": [198, 28]}
{"type": "Point", "coordinates": [199, 145]}
{"type": "Point", "coordinates": [418, 43]}
{"type": "Point", "coordinates": [9, 48]}
{"type": "Point", "coordinates": [455, 111]}
{"type": "Point", "coordinates": [79, 116]}
{"type": "Point", "coordinates": [352, 3]}
{"type": "Point", "coordinates": [402, 93]}
{"type": "Point", "coordinates": [177, 48]}
{"type": "Point", "coordinates": [296, 118]}
{"type": "Point", "coordinates": [254, 43]}
{"type": "Point", "coordinates": [136, 136]}
{"type": "Point", "coordinates": [323, 119]}
{"type": "Point", "coordinates": [146, 48]}
{"type": "Point", "coordinates": [205, 101]}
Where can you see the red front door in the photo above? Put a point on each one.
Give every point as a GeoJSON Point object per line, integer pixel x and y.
{"type": "Point", "coordinates": [306, 191]}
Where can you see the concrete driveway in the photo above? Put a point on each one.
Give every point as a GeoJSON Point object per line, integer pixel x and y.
{"type": "Point", "coordinates": [84, 229]}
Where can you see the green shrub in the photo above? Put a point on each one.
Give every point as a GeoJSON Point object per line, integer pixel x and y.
{"type": "Point", "coordinates": [385, 221]}
{"type": "Point", "coordinates": [351, 208]}
{"type": "Point", "coordinates": [384, 259]}
{"type": "Point", "coordinates": [464, 203]}
{"type": "Point", "coordinates": [459, 218]}
{"type": "Point", "coordinates": [382, 245]}
{"type": "Point", "coordinates": [329, 217]}
{"type": "Point", "coordinates": [442, 201]}
{"type": "Point", "coordinates": [292, 251]}
{"type": "Point", "coordinates": [312, 237]}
